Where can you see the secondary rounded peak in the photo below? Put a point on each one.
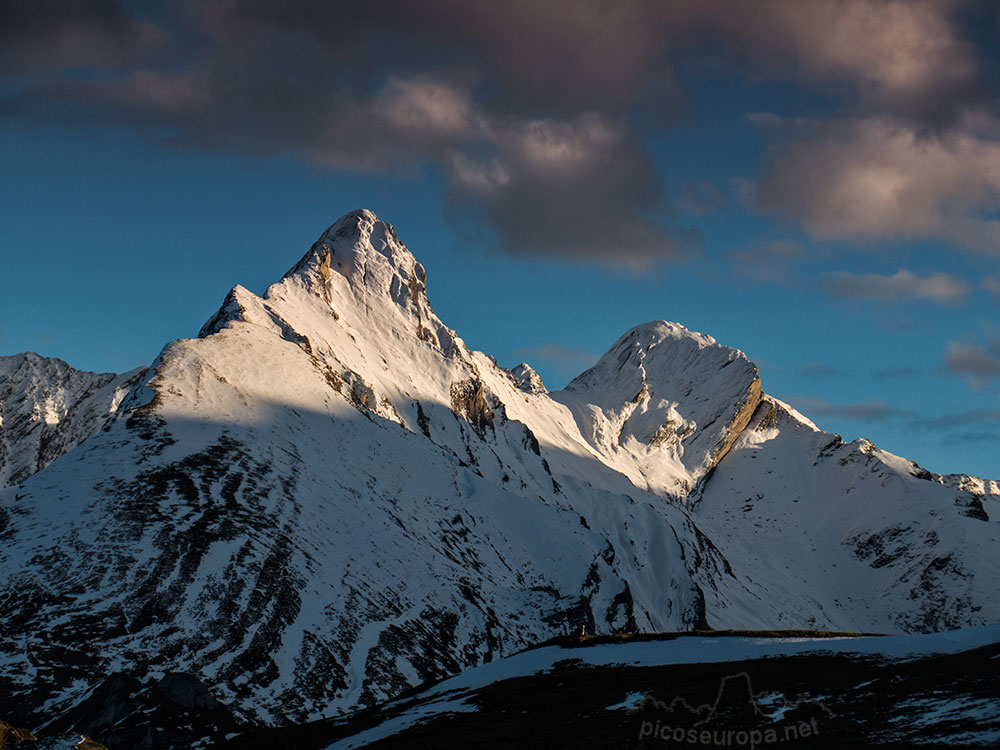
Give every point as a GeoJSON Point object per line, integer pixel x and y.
{"type": "Point", "coordinates": [661, 349]}
{"type": "Point", "coordinates": [663, 387]}
{"type": "Point", "coordinates": [657, 330]}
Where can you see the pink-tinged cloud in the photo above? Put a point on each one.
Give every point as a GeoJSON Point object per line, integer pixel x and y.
{"type": "Point", "coordinates": [877, 179]}
{"type": "Point", "coordinates": [907, 54]}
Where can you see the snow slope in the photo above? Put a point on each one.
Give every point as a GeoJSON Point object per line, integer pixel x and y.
{"type": "Point", "coordinates": [861, 526]}
{"type": "Point", "coordinates": [327, 498]}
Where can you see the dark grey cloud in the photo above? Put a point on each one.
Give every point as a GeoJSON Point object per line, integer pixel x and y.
{"type": "Point", "coordinates": [910, 56]}
{"type": "Point", "coordinates": [566, 361]}
{"type": "Point", "coordinates": [979, 364]}
{"type": "Point", "coordinates": [972, 437]}
{"type": "Point", "coordinates": [961, 420]}
{"type": "Point", "coordinates": [564, 180]}
{"type": "Point", "coordinates": [535, 112]}
{"type": "Point", "coordinates": [875, 410]}
{"type": "Point", "coordinates": [954, 428]}
{"type": "Point", "coordinates": [891, 373]}
{"type": "Point", "coordinates": [819, 370]}
{"type": "Point", "coordinates": [585, 187]}
{"type": "Point", "coordinates": [962, 428]}
{"type": "Point", "coordinates": [55, 35]}
{"type": "Point", "coordinates": [902, 285]}
{"type": "Point", "coordinates": [540, 58]}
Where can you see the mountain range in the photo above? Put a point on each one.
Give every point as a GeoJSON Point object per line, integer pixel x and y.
{"type": "Point", "coordinates": [326, 499]}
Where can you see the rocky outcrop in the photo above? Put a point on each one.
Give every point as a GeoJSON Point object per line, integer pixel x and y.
{"type": "Point", "coordinates": [173, 712]}
{"type": "Point", "coordinates": [12, 737]}
{"type": "Point", "coordinates": [469, 400]}
{"type": "Point", "coordinates": [740, 420]}
{"type": "Point", "coordinates": [527, 379]}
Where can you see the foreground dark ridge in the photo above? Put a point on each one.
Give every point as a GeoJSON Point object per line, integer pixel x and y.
{"type": "Point", "coordinates": [808, 700]}
{"type": "Point", "coordinates": [599, 639]}
{"type": "Point", "coordinates": [801, 688]}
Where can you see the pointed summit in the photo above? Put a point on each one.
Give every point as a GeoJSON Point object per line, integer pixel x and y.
{"type": "Point", "coordinates": [357, 272]}
{"type": "Point", "coordinates": [527, 379]}
{"type": "Point", "coordinates": [368, 253]}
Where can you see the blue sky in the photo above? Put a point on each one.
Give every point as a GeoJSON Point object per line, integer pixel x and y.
{"type": "Point", "coordinates": [814, 183]}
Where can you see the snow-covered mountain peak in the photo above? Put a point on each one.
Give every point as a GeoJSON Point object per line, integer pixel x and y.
{"type": "Point", "coordinates": [667, 393]}
{"type": "Point", "coordinates": [358, 277]}
{"type": "Point", "coordinates": [367, 252]}
{"type": "Point", "coordinates": [670, 358]}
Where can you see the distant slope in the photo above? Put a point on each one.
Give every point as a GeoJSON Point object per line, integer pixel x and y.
{"type": "Point", "coordinates": [850, 528]}
{"type": "Point", "coordinates": [48, 408]}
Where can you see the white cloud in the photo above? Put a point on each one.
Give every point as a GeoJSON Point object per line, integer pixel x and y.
{"type": "Point", "coordinates": [426, 105]}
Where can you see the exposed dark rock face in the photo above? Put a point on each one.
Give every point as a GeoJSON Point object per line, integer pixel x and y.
{"type": "Point", "coordinates": [14, 737]}
{"type": "Point", "coordinates": [469, 399]}
{"type": "Point", "coordinates": [11, 736]}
